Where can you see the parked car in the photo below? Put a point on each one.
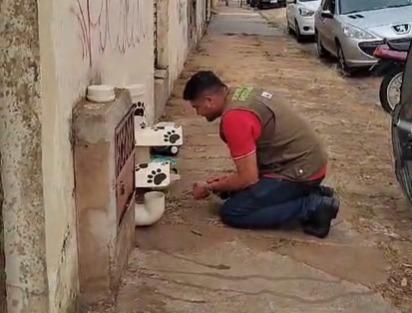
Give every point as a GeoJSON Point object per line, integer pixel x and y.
{"type": "Point", "coordinates": [262, 4]}
{"type": "Point", "coordinates": [300, 17]}
{"type": "Point", "coordinates": [402, 132]}
{"type": "Point", "coordinates": [351, 30]}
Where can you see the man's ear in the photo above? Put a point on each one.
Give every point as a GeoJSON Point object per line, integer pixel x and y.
{"type": "Point", "coordinates": [209, 100]}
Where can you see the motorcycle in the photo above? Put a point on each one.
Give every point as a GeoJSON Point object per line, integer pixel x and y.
{"type": "Point", "coordinates": [392, 59]}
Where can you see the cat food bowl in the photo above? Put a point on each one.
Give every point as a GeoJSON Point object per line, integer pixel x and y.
{"type": "Point", "coordinates": [100, 93]}
{"type": "Point", "coordinates": [154, 202]}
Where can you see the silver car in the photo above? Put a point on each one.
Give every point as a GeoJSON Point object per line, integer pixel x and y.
{"type": "Point", "coordinates": [350, 30]}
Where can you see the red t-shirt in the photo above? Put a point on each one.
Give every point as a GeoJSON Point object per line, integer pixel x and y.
{"type": "Point", "coordinates": [241, 130]}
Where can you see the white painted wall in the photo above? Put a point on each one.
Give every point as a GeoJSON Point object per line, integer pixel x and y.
{"type": "Point", "coordinates": [177, 37]}
{"type": "Point", "coordinates": [82, 42]}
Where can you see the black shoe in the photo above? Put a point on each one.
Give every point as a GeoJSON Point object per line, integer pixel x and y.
{"type": "Point", "coordinates": [318, 224]}
{"type": "Point", "coordinates": [326, 191]}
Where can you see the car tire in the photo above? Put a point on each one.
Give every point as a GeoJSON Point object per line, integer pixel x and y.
{"type": "Point", "coordinates": [299, 36]}
{"type": "Point", "coordinates": [343, 66]}
{"type": "Point", "coordinates": [385, 86]}
{"type": "Point", "coordinates": [321, 51]}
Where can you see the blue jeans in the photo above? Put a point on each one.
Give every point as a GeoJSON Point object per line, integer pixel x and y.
{"type": "Point", "coordinates": [270, 203]}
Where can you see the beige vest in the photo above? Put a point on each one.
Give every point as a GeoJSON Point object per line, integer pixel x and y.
{"type": "Point", "coordinates": [288, 146]}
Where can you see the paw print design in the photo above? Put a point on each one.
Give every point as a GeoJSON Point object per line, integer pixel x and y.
{"type": "Point", "coordinates": [156, 177]}
{"type": "Point", "coordinates": [140, 109]}
{"type": "Point", "coordinates": [171, 136]}
{"type": "Point", "coordinates": [157, 128]}
{"type": "Point", "coordinates": [141, 166]}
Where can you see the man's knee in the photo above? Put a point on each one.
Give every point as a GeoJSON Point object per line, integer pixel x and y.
{"type": "Point", "coordinates": [231, 216]}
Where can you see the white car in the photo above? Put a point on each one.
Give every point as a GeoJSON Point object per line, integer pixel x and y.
{"type": "Point", "coordinates": [300, 17]}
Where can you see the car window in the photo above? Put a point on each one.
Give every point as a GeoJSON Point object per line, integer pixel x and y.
{"type": "Point", "coordinates": [406, 95]}
{"type": "Point", "coordinates": [353, 6]}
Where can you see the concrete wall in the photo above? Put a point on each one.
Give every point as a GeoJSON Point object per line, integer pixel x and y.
{"type": "Point", "coordinates": [52, 52]}
{"type": "Point", "coordinates": [21, 163]}
{"type": "Point", "coordinates": [86, 42]}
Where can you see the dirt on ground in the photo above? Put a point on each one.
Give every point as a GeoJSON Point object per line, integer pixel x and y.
{"type": "Point", "coordinates": [369, 251]}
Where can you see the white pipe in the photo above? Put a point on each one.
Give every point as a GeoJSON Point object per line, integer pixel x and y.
{"type": "Point", "coordinates": [152, 210]}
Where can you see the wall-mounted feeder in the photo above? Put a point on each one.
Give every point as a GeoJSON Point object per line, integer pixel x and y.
{"type": "Point", "coordinates": [159, 136]}
{"type": "Point", "coordinates": [152, 175]}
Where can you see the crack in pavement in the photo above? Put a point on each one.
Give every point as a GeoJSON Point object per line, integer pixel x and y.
{"type": "Point", "coordinates": [245, 277]}
{"type": "Point", "coordinates": [167, 296]}
{"type": "Point", "coordinates": [238, 293]}
{"type": "Point", "coordinates": [213, 266]}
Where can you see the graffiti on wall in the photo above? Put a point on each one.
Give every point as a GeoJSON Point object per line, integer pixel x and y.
{"type": "Point", "coordinates": [109, 24]}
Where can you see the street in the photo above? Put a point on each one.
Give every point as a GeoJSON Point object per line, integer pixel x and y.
{"type": "Point", "coordinates": [191, 262]}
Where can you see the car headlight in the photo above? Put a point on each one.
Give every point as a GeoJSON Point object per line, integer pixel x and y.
{"type": "Point", "coordinates": [353, 32]}
{"type": "Point", "coordinates": [306, 12]}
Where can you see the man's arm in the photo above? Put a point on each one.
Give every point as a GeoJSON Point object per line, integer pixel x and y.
{"type": "Point", "coordinates": [241, 129]}
{"type": "Point", "coordinates": [247, 174]}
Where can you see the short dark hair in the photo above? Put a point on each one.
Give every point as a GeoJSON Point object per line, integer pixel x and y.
{"type": "Point", "coordinates": [200, 82]}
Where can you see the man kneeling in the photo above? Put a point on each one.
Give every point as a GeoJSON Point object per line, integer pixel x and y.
{"type": "Point", "coordinates": [280, 161]}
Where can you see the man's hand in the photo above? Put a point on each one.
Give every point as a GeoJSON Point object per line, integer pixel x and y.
{"type": "Point", "coordinates": [246, 175]}
{"type": "Point", "coordinates": [200, 191]}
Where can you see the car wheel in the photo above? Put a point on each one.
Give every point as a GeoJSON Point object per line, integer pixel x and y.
{"type": "Point", "coordinates": [299, 36]}
{"type": "Point", "coordinates": [319, 47]}
{"type": "Point", "coordinates": [343, 66]}
{"type": "Point", "coordinates": [390, 89]}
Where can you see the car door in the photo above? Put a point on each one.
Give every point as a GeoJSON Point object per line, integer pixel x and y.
{"type": "Point", "coordinates": [326, 26]}
{"type": "Point", "coordinates": [402, 132]}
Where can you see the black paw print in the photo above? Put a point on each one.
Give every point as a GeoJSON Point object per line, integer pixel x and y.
{"type": "Point", "coordinates": [171, 136]}
{"type": "Point", "coordinates": [156, 177]}
{"type": "Point", "coordinates": [142, 165]}
{"type": "Point", "coordinates": [140, 109]}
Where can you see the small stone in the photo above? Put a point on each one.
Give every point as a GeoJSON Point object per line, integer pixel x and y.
{"type": "Point", "coordinates": [404, 282]}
